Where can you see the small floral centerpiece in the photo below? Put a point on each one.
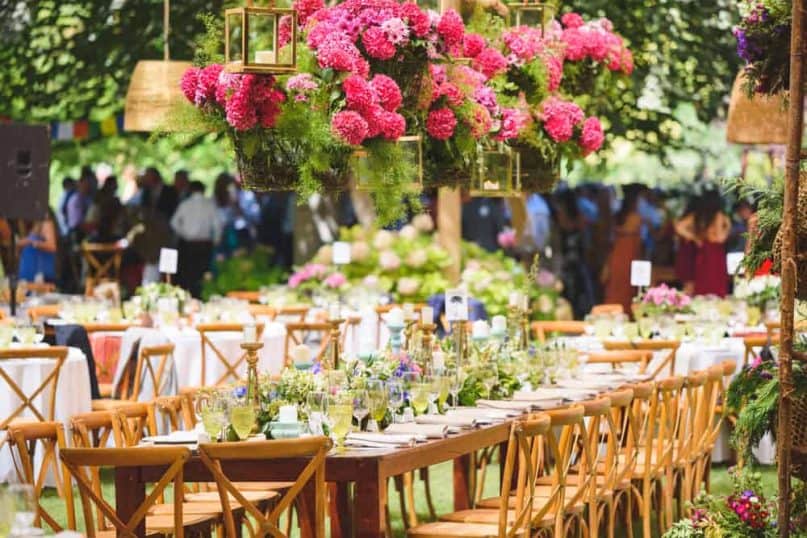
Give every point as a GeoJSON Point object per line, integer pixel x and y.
{"type": "Point", "coordinates": [317, 277]}
{"type": "Point", "coordinates": [763, 42]}
{"type": "Point", "coordinates": [746, 512]}
{"type": "Point", "coordinates": [759, 290]}
{"type": "Point", "coordinates": [662, 300]}
{"type": "Point", "coordinates": [151, 294]}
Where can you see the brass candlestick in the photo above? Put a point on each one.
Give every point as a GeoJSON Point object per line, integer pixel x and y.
{"type": "Point", "coordinates": [514, 327]}
{"type": "Point", "coordinates": [332, 357]}
{"type": "Point", "coordinates": [427, 338]}
{"type": "Point", "coordinates": [253, 393]}
{"type": "Point", "coordinates": [525, 329]}
{"type": "Point", "coordinates": [409, 335]}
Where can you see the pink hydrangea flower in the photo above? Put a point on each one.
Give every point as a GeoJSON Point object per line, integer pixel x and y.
{"type": "Point", "coordinates": [591, 137]}
{"type": "Point", "coordinates": [301, 85]}
{"type": "Point", "coordinates": [335, 280]}
{"type": "Point", "coordinates": [441, 123]}
{"type": "Point", "coordinates": [417, 18]}
{"type": "Point", "coordinates": [338, 52]}
{"type": "Point", "coordinates": [350, 126]}
{"type": "Point", "coordinates": [486, 97]}
{"type": "Point", "coordinates": [240, 112]}
{"type": "Point", "coordinates": [188, 83]}
{"type": "Point", "coordinates": [206, 84]}
{"type": "Point", "coordinates": [572, 20]}
{"type": "Point", "coordinates": [437, 73]}
{"type": "Point", "coordinates": [284, 30]}
{"type": "Point", "coordinates": [554, 69]}
{"type": "Point", "coordinates": [490, 62]}
{"type": "Point", "coordinates": [524, 42]}
{"type": "Point", "coordinates": [358, 93]}
{"type": "Point", "coordinates": [391, 124]}
{"type": "Point", "coordinates": [513, 121]}
{"type": "Point", "coordinates": [396, 31]}
{"type": "Point", "coordinates": [387, 91]}
{"type": "Point", "coordinates": [451, 28]}
{"type": "Point", "coordinates": [376, 44]}
{"type": "Point", "coordinates": [480, 121]}
{"type": "Point", "coordinates": [451, 92]}
{"type": "Point", "coordinates": [306, 8]}
{"type": "Point", "coordinates": [560, 118]}
{"type": "Point", "coordinates": [472, 45]}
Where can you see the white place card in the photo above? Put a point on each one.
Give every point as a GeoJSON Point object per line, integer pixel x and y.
{"type": "Point", "coordinates": [341, 253]}
{"type": "Point", "coordinates": [734, 262]}
{"type": "Point", "coordinates": [168, 260]}
{"type": "Point", "coordinates": [640, 271]}
{"type": "Point", "coordinates": [457, 305]}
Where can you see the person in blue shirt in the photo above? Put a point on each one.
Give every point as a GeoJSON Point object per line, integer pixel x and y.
{"type": "Point", "coordinates": [38, 251]}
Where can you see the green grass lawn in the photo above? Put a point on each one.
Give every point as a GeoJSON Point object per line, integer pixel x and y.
{"type": "Point", "coordinates": [442, 493]}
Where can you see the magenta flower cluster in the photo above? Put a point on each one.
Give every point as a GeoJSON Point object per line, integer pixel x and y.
{"type": "Point", "coordinates": [370, 110]}
{"type": "Point", "coordinates": [247, 101]}
{"type": "Point", "coordinates": [667, 297]}
{"type": "Point", "coordinates": [596, 41]}
{"type": "Point", "coordinates": [750, 508]}
{"type": "Point", "coordinates": [562, 120]}
{"type": "Point", "coordinates": [309, 271]}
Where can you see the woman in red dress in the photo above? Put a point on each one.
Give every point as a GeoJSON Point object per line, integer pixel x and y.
{"type": "Point", "coordinates": [626, 248]}
{"type": "Point", "coordinates": [707, 227]}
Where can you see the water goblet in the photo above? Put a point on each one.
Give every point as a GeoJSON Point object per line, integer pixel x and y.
{"type": "Point", "coordinates": [396, 393]}
{"type": "Point", "coordinates": [361, 405]}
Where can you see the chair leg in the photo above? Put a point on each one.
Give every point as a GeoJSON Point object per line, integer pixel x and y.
{"type": "Point", "coordinates": [647, 491]}
{"type": "Point", "coordinates": [424, 477]}
{"type": "Point", "coordinates": [399, 487]}
{"type": "Point", "coordinates": [409, 490]}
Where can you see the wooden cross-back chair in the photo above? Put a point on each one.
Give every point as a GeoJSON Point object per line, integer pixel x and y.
{"type": "Point", "coordinates": [178, 410]}
{"type": "Point", "coordinates": [24, 438]}
{"type": "Point", "coordinates": [610, 309]}
{"type": "Point", "coordinates": [133, 422]}
{"type": "Point", "coordinates": [153, 365]}
{"type": "Point", "coordinates": [315, 448]}
{"type": "Point", "coordinates": [299, 333]}
{"type": "Point", "coordinates": [619, 358]}
{"type": "Point", "coordinates": [80, 460]}
{"type": "Point", "coordinates": [103, 262]}
{"type": "Point", "coordinates": [46, 389]}
{"type": "Point", "coordinates": [262, 311]}
{"type": "Point", "coordinates": [655, 368]}
{"type": "Point", "coordinates": [544, 329]}
{"type": "Point", "coordinates": [718, 379]}
{"type": "Point", "coordinates": [231, 365]}
{"type": "Point", "coordinates": [244, 295]}
{"type": "Point", "coordinates": [291, 312]}
{"type": "Point", "coordinates": [515, 516]}
{"type": "Point", "coordinates": [42, 312]}
{"type": "Point", "coordinates": [686, 447]}
{"type": "Point", "coordinates": [621, 432]}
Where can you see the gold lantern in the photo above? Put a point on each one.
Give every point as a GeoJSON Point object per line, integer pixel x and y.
{"type": "Point", "coordinates": [251, 40]}
{"type": "Point", "coordinates": [494, 175]}
{"type": "Point", "coordinates": [534, 14]}
{"type": "Point", "coordinates": [412, 147]}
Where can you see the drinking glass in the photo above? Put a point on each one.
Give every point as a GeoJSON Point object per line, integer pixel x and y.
{"type": "Point", "coordinates": [396, 393]}
{"type": "Point", "coordinates": [645, 325]}
{"type": "Point", "coordinates": [316, 404]}
{"type": "Point", "coordinates": [23, 502]}
{"type": "Point", "coordinates": [444, 381]}
{"type": "Point", "coordinates": [340, 417]}
{"type": "Point", "coordinates": [630, 330]}
{"type": "Point", "coordinates": [212, 410]}
{"type": "Point", "coordinates": [337, 379]}
{"type": "Point", "coordinates": [26, 334]}
{"type": "Point", "coordinates": [361, 405]}
{"type": "Point", "coordinates": [6, 335]}
{"type": "Point", "coordinates": [242, 416]}
{"type": "Point", "coordinates": [457, 378]}
{"type": "Point", "coordinates": [378, 400]}
{"type": "Point", "coordinates": [419, 396]}
{"type": "Point", "coordinates": [488, 376]}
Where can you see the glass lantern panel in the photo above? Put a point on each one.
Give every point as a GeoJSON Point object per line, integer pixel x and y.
{"type": "Point", "coordinates": [360, 168]}
{"type": "Point", "coordinates": [262, 44]}
{"type": "Point", "coordinates": [537, 15]}
{"type": "Point", "coordinates": [235, 38]}
{"type": "Point", "coordinates": [413, 153]}
{"type": "Point", "coordinates": [495, 173]}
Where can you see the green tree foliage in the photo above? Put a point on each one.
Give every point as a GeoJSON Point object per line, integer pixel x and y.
{"type": "Point", "coordinates": [684, 52]}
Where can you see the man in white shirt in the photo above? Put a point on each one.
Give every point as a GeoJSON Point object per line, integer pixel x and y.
{"type": "Point", "coordinates": [198, 229]}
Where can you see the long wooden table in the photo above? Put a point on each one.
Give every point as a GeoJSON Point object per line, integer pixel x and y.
{"type": "Point", "coordinates": [368, 469]}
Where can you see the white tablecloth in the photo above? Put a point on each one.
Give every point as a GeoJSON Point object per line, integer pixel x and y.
{"type": "Point", "coordinates": [72, 393]}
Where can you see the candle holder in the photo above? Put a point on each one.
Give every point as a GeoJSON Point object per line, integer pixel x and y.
{"type": "Point", "coordinates": [331, 359]}
{"type": "Point", "coordinates": [395, 337]}
{"type": "Point", "coordinates": [409, 334]}
{"type": "Point", "coordinates": [525, 329]}
{"type": "Point", "coordinates": [460, 341]}
{"type": "Point", "coordinates": [427, 338]}
{"type": "Point", "coordinates": [253, 393]}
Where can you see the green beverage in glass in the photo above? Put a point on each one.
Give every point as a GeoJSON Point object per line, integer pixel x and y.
{"type": "Point", "coordinates": [445, 388]}
{"type": "Point", "coordinates": [631, 331]}
{"type": "Point", "coordinates": [26, 334]}
{"type": "Point", "coordinates": [211, 421]}
{"type": "Point", "coordinates": [341, 419]}
{"type": "Point", "coordinates": [420, 397]}
{"type": "Point", "coordinates": [242, 419]}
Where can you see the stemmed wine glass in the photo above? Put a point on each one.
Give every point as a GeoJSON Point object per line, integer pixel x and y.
{"type": "Point", "coordinates": [378, 400]}
{"type": "Point", "coordinates": [456, 380]}
{"type": "Point", "coordinates": [395, 390]}
{"type": "Point", "coordinates": [361, 405]}
{"type": "Point", "coordinates": [212, 410]}
{"type": "Point", "coordinates": [340, 417]}
{"type": "Point", "coordinates": [317, 408]}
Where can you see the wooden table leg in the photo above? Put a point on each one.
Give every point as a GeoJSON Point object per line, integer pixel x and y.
{"type": "Point", "coordinates": [340, 509]}
{"type": "Point", "coordinates": [130, 492]}
{"type": "Point", "coordinates": [462, 483]}
{"type": "Point", "coordinates": [370, 498]}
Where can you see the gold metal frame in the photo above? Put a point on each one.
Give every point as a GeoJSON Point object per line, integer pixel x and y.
{"type": "Point", "coordinates": [246, 65]}
{"type": "Point", "coordinates": [415, 186]}
{"type": "Point", "coordinates": [518, 8]}
{"type": "Point", "coordinates": [482, 187]}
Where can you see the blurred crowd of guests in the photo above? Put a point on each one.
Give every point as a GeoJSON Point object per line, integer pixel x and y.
{"type": "Point", "coordinates": [586, 235]}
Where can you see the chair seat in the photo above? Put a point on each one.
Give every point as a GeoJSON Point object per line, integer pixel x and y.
{"type": "Point", "coordinates": [163, 525]}
{"type": "Point", "coordinates": [439, 529]}
{"type": "Point", "coordinates": [109, 404]}
{"type": "Point", "coordinates": [263, 486]}
{"type": "Point", "coordinates": [538, 503]}
{"type": "Point", "coordinates": [106, 389]}
{"type": "Point", "coordinates": [490, 516]}
{"type": "Point", "coordinates": [213, 496]}
{"type": "Point", "coordinates": [213, 509]}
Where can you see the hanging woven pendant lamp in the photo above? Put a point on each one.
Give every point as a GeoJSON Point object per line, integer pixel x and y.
{"type": "Point", "coordinates": [758, 120]}
{"type": "Point", "coordinates": [153, 88]}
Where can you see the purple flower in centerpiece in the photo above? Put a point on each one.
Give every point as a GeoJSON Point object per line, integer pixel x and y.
{"type": "Point", "coordinates": [240, 392]}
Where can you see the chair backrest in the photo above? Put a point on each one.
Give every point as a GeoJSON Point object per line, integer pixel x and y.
{"type": "Point", "coordinates": [103, 262]}
{"type": "Point", "coordinates": [656, 367]}
{"type": "Point", "coordinates": [291, 312]}
{"type": "Point", "coordinates": [607, 309]}
{"type": "Point", "coordinates": [49, 436]}
{"type": "Point", "coordinates": [243, 295]}
{"type": "Point", "coordinates": [567, 432]}
{"type": "Point", "coordinates": [299, 333]}
{"type": "Point", "coordinates": [43, 312]}
{"type": "Point", "coordinates": [231, 365]}
{"type": "Point", "coordinates": [664, 417]}
{"type": "Point", "coordinates": [523, 453]}
{"type": "Point", "coordinates": [621, 430]}
{"type": "Point", "coordinates": [544, 329]}
{"type": "Point", "coordinates": [262, 311]}
{"type": "Point", "coordinates": [27, 395]}
{"type": "Point", "coordinates": [177, 409]}
{"type": "Point", "coordinates": [97, 327]}
{"type": "Point", "coordinates": [692, 409]}
{"type": "Point", "coordinates": [153, 364]}
{"type": "Point", "coordinates": [131, 423]}
{"type": "Point", "coordinates": [617, 358]}
{"type": "Point", "coordinates": [598, 450]}
{"type": "Point", "coordinates": [80, 460]}
{"type": "Point", "coordinates": [312, 448]}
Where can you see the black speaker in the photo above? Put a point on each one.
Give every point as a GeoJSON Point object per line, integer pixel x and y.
{"type": "Point", "coordinates": [24, 171]}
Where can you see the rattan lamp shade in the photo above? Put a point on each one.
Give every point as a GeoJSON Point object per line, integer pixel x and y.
{"type": "Point", "coordinates": [759, 120]}
{"type": "Point", "coordinates": [153, 91]}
